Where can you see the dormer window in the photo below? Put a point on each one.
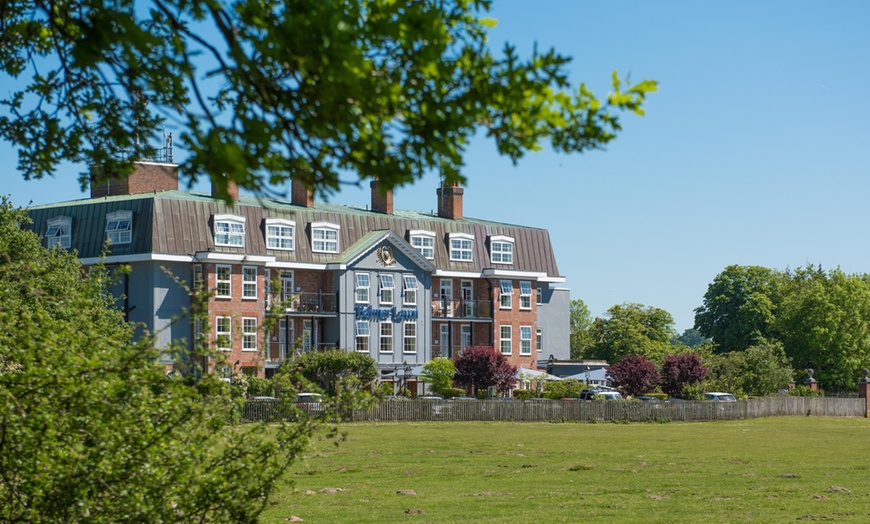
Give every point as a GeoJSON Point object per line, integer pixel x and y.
{"type": "Point", "coordinates": [501, 250]}
{"type": "Point", "coordinates": [229, 230]}
{"type": "Point", "coordinates": [280, 234]}
{"type": "Point", "coordinates": [424, 242]}
{"type": "Point", "coordinates": [119, 227]}
{"type": "Point", "coordinates": [59, 232]}
{"type": "Point", "coordinates": [324, 237]}
{"type": "Point", "coordinates": [460, 247]}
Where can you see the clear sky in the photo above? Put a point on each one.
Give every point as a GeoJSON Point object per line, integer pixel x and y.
{"type": "Point", "coordinates": [755, 151]}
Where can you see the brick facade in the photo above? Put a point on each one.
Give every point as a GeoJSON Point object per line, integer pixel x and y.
{"type": "Point", "coordinates": [146, 178]}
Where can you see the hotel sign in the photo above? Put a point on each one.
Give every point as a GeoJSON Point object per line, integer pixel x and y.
{"type": "Point", "coordinates": [396, 315]}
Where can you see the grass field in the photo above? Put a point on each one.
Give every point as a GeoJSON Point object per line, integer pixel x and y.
{"type": "Point", "coordinates": [763, 470]}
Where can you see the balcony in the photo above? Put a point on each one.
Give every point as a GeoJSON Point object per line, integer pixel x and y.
{"type": "Point", "coordinates": [308, 304]}
{"type": "Point", "coordinates": [447, 351]}
{"type": "Point", "coordinates": [462, 309]}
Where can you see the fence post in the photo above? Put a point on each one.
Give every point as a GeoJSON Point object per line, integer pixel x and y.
{"type": "Point", "coordinates": [863, 389]}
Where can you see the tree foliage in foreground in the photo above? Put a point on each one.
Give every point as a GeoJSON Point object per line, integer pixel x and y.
{"type": "Point", "coordinates": [265, 90]}
{"type": "Point", "coordinates": [679, 371]}
{"type": "Point", "coordinates": [481, 367]}
{"type": "Point", "coordinates": [635, 375]}
{"type": "Point", "coordinates": [92, 430]}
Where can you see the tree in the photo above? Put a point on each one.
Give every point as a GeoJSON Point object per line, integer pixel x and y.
{"type": "Point", "coordinates": [334, 370]}
{"type": "Point", "coordinates": [268, 90]}
{"type": "Point", "coordinates": [823, 324]}
{"type": "Point", "coordinates": [632, 329]}
{"type": "Point", "coordinates": [635, 375]}
{"type": "Point", "coordinates": [481, 367]}
{"type": "Point", "coordinates": [93, 430]}
{"type": "Point", "coordinates": [758, 371]}
{"type": "Point", "coordinates": [681, 370]}
{"type": "Point", "coordinates": [439, 373]}
{"type": "Point", "coordinates": [739, 307]}
{"type": "Point", "coordinates": [581, 328]}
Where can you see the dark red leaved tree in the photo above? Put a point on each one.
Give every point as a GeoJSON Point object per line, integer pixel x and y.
{"type": "Point", "coordinates": [634, 374]}
{"type": "Point", "coordinates": [479, 367]}
{"type": "Point", "coordinates": [680, 370]}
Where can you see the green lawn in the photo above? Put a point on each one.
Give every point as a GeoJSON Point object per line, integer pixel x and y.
{"type": "Point", "coordinates": [767, 470]}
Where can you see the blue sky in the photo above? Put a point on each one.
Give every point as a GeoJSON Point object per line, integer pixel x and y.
{"type": "Point", "coordinates": [755, 151]}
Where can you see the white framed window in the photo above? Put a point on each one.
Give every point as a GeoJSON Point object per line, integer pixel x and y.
{"type": "Point", "coordinates": [249, 333]}
{"type": "Point", "coordinates": [280, 234]}
{"type": "Point", "coordinates": [224, 281]}
{"type": "Point", "coordinates": [363, 333]}
{"type": "Point", "coordinates": [525, 340]}
{"type": "Point", "coordinates": [409, 344]}
{"type": "Point", "coordinates": [501, 250]}
{"type": "Point", "coordinates": [249, 282]}
{"type": "Point", "coordinates": [525, 295]}
{"type": "Point", "coordinates": [460, 247]}
{"type": "Point", "coordinates": [386, 337]}
{"type": "Point", "coordinates": [539, 296]}
{"type": "Point", "coordinates": [223, 331]}
{"type": "Point", "coordinates": [444, 340]}
{"type": "Point", "coordinates": [229, 230]}
{"type": "Point", "coordinates": [307, 336]}
{"type": "Point", "coordinates": [410, 298]}
{"type": "Point", "coordinates": [424, 242]}
{"type": "Point", "coordinates": [59, 232]}
{"type": "Point", "coordinates": [539, 340]}
{"type": "Point", "coordinates": [388, 285]}
{"type": "Point", "coordinates": [505, 297]}
{"type": "Point", "coordinates": [505, 336]}
{"type": "Point", "coordinates": [119, 227]}
{"type": "Point", "coordinates": [362, 288]}
{"type": "Point", "coordinates": [464, 335]}
{"type": "Point", "coordinates": [198, 282]}
{"type": "Point", "coordinates": [324, 237]}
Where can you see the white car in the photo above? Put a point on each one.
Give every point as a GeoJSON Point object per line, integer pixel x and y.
{"type": "Point", "coordinates": [717, 396]}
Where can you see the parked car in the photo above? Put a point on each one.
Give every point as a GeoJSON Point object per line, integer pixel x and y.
{"type": "Point", "coordinates": [648, 399]}
{"type": "Point", "coordinates": [599, 394]}
{"type": "Point", "coordinates": [717, 396]}
{"type": "Point", "coordinates": [309, 402]}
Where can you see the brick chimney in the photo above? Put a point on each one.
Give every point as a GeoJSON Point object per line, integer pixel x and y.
{"type": "Point", "coordinates": [300, 194]}
{"type": "Point", "coordinates": [450, 201]}
{"type": "Point", "coordinates": [146, 177]}
{"type": "Point", "coordinates": [382, 199]}
{"type": "Point", "coordinates": [232, 190]}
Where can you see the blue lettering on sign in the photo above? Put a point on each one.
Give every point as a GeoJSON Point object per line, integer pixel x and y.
{"type": "Point", "coordinates": [396, 315]}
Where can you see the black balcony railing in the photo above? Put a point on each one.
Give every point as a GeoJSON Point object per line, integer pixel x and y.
{"type": "Point", "coordinates": [462, 309]}
{"type": "Point", "coordinates": [307, 302]}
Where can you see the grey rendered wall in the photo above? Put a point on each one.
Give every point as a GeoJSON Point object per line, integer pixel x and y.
{"type": "Point", "coordinates": [554, 319]}
{"type": "Point", "coordinates": [158, 302]}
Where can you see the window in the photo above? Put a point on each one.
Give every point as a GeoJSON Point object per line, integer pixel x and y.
{"type": "Point", "coordinates": [539, 299]}
{"type": "Point", "coordinates": [501, 250]}
{"type": "Point", "coordinates": [410, 290]}
{"type": "Point", "coordinates": [539, 340]}
{"type": "Point", "coordinates": [362, 288]}
{"type": "Point", "coordinates": [525, 340]}
{"type": "Point", "coordinates": [224, 282]}
{"type": "Point", "coordinates": [59, 232]}
{"type": "Point", "coordinates": [465, 335]}
{"type": "Point", "coordinates": [505, 339]}
{"type": "Point", "coordinates": [223, 327]}
{"type": "Point", "coordinates": [386, 337]}
{"type": "Point", "coordinates": [324, 237]}
{"type": "Point", "coordinates": [525, 295]}
{"type": "Point", "coordinates": [410, 342]}
{"type": "Point", "coordinates": [119, 227]}
{"type": "Point", "coordinates": [229, 230]}
{"type": "Point", "coordinates": [362, 336]}
{"type": "Point", "coordinates": [460, 247]}
{"type": "Point", "coordinates": [387, 287]}
{"type": "Point", "coordinates": [424, 242]}
{"type": "Point", "coordinates": [505, 298]}
{"type": "Point", "coordinates": [280, 234]}
{"type": "Point", "coordinates": [249, 282]}
{"type": "Point", "coordinates": [197, 277]}
{"type": "Point", "coordinates": [249, 333]}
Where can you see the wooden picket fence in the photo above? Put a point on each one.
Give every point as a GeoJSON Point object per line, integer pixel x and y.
{"type": "Point", "coordinates": [539, 410]}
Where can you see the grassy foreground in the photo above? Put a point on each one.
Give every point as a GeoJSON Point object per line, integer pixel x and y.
{"type": "Point", "coordinates": [766, 470]}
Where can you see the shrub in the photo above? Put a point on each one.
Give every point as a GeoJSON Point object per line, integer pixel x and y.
{"type": "Point", "coordinates": [681, 370]}
{"type": "Point", "coordinates": [634, 375]}
{"type": "Point", "coordinates": [523, 394]}
{"type": "Point", "coordinates": [260, 387]}
{"type": "Point", "coordinates": [568, 388]}
{"type": "Point", "coordinates": [802, 390]}
{"type": "Point", "coordinates": [453, 392]}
